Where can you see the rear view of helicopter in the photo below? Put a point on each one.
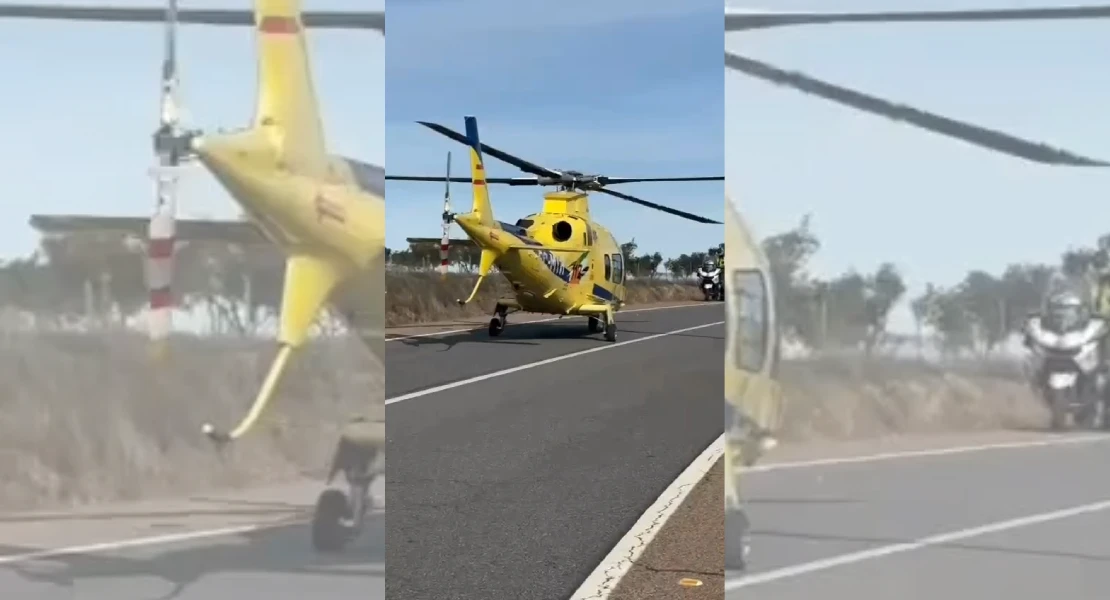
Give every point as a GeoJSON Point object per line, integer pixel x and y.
{"type": "Point", "coordinates": [325, 212]}
{"type": "Point", "coordinates": [753, 394]}
{"type": "Point", "coordinates": [558, 261]}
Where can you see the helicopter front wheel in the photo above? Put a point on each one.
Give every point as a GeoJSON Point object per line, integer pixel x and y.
{"type": "Point", "coordinates": [610, 328]}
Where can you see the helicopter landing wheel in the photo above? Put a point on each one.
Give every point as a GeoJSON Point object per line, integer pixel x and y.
{"type": "Point", "coordinates": [496, 326]}
{"type": "Point", "coordinates": [611, 332]}
{"type": "Point", "coordinates": [497, 323]}
{"type": "Point", "coordinates": [595, 325]}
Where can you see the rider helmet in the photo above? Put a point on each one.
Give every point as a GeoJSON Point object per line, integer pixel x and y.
{"type": "Point", "coordinates": [1065, 310]}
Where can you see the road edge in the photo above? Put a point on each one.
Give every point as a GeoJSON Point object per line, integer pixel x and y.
{"type": "Point", "coordinates": [601, 583]}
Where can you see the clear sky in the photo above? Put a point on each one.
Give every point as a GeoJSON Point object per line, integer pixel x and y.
{"type": "Point", "coordinates": [621, 87]}
{"type": "Point", "coordinates": [879, 190]}
{"type": "Point", "coordinates": [80, 101]}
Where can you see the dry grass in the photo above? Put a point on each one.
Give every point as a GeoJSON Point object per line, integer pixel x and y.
{"type": "Point", "coordinates": [420, 297]}
{"type": "Point", "coordinates": [858, 398]}
{"type": "Point", "coordinates": [88, 418]}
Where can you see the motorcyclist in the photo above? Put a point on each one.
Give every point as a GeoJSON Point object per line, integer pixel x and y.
{"type": "Point", "coordinates": [1066, 309]}
{"type": "Point", "coordinates": [709, 269]}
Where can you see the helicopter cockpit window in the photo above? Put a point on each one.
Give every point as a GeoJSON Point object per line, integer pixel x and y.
{"type": "Point", "coordinates": [618, 268]}
{"type": "Point", "coordinates": [749, 320]}
{"type": "Point", "coordinates": [608, 271]}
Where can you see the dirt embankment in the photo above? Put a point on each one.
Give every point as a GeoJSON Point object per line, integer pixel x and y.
{"type": "Point", "coordinates": [86, 418]}
{"type": "Point", "coordinates": [424, 297]}
{"type": "Point", "coordinates": [859, 398]}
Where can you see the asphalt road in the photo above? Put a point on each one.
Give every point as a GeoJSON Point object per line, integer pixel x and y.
{"type": "Point", "coordinates": [226, 547]}
{"type": "Point", "coordinates": [516, 486]}
{"type": "Point", "coordinates": [974, 524]}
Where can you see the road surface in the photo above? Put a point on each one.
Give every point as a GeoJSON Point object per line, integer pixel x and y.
{"type": "Point", "coordinates": [220, 547]}
{"type": "Point", "coordinates": [1021, 516]}
{"type": "Point", "coordinates": [516, 485]}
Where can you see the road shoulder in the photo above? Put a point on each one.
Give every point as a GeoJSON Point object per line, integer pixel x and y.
{"type": "Point", "coordinates": [689, 546]}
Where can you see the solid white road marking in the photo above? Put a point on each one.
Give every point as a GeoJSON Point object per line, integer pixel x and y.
{"type": "Point", "coordinates": [847, 460]}
{"type": "Point", "coordinates": [933, 540]}
{"type": "Point", "coordinates": [604, 579]}
{"type": "Point", "coordinates": [548, 320]}
{"type": "Point", "coordinates": [448, 386]}
{"type": "Point", "coordinates": [135, 543]}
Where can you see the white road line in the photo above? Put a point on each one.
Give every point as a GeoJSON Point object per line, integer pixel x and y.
{"type": "Point", "coordinates": [448, 386]}
{"type": "Point", "coordinates": [478, 327]}
{"type": "Point", "coordinates": [136, 542]}
{"type": "Point", "coordinates": [847, 460]}
{"type": "Point", "coordinates": [604, 579]}
{"type": "Point", "coordinates": [933, 540]}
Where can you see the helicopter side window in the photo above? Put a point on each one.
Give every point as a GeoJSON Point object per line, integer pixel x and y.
{"type": "Point", "coordinates": [618, 268]}
{"type": "Point", "coordinates": [750, 326]}
{"type": "Point", "coordinates": [608, 269]}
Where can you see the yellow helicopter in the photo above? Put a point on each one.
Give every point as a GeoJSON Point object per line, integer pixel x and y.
{"type": "Point", "coordinates": [325, 212]}
{"type": "Point", "coordinates": [558, 261]}
{"type": "Point", "coordinates": [753, 394]}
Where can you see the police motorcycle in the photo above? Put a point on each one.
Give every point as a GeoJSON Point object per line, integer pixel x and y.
{"type": "Point", "coordinates": [709, 279]}
{"type": "Point", "coordinates": [1067, 364]}
{"type": "Point", "coordinates": [339, 518]}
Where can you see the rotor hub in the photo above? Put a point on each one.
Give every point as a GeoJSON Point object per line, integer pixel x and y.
{"type": "Point", "coordinates": [174, 144]}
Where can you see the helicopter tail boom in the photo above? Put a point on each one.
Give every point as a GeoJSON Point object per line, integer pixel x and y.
{"type": "Point", "coordinates": [287, 105]}
{"type": "Point", "coordinates": [482, 206]}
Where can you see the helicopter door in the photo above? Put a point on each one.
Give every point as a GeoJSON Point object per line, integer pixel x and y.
{"type": "Point", "coordinates": [753, 348]}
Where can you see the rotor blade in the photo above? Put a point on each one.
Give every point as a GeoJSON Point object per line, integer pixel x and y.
{"type": "Point", "coordinates": [742, 21]}
{"type": "Point", "coordinates": [311, 19]}
{"type": "Point", "coordinates": [665, 209]}
{"type": "Point", "coordinates": [501, 180]}
{"type": "Point", "coordinates": [519, 163]}
{"type": "Point", "coordinates": [972, 134]}
{"type": "Point", "coordinates": [618, 180]}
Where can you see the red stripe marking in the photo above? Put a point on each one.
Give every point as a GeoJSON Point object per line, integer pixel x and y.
{"type": "Point", "coordinates": [161, 298]}
{"type": "Point", "coordinates": [160, 248]}
{"type": "Point", "coordinates": [479, 182]}
{"type": "Point", "coordinates": [279, 25]}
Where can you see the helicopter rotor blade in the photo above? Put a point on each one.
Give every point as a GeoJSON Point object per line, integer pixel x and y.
{"type": "Point", "coordinates": [660, 207]}
{"type": "Point", "coordinates": [520, 163]}
{"type": "Point", "coordinates": [312, 19]}
{"type": "Point", "coordinates": [500, 180]}
{"type": "Point", "coordinates": [738, 20]}
{"type": "Point", "coordinates": [973, 134]}
{"type": "Point", "coordinates": [619, 180]}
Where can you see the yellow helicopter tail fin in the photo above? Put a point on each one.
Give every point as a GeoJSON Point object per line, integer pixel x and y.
{"type": "Point", "coordinates": [478, 174]}
{"type": "Point", "coordinates": [287, 104]}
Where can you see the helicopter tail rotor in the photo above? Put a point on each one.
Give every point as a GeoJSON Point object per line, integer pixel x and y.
{"type": "Point", "coordinates": [445, 241]}
{"type": "Point", "coordinates": [172, 149]}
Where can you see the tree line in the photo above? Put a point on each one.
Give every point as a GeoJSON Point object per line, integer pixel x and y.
{"type": "Point", "coordinates": [465, 258]}
{"type": "Point", "coordinates": [83, 278]}
{"type": "Point", "coordinates": [975, 314]}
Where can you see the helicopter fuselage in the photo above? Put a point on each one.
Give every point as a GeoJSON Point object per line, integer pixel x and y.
{"type": "Point", "coordinates": [557, 261]}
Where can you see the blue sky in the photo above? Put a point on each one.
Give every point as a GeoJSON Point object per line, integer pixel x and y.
{"type": "Point", "coordinates": [879, 190]}
{"type": "Point", "coordinates": [621, 87]}
{"type": "Point", "coordinates": [77, 124]}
